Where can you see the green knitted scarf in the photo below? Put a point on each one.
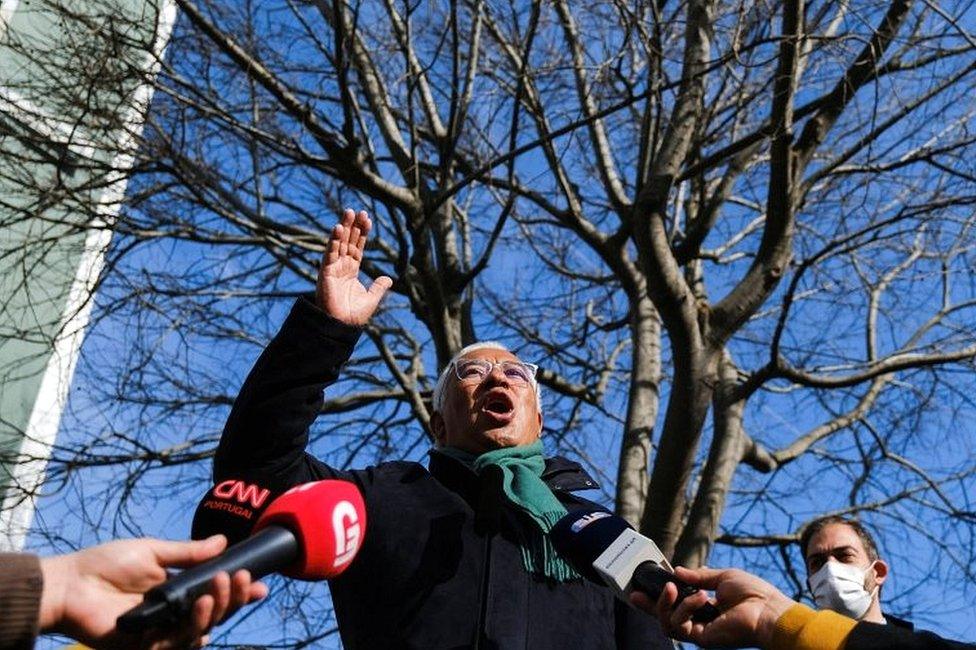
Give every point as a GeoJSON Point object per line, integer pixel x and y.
{"type": "Point", "coordinates": [524, 491]}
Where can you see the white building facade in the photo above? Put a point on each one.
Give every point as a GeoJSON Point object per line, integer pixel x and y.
{"type": "Point", "coordinates": [66, 143]}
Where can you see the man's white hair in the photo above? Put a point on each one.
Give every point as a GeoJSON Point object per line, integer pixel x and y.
{"type": "Point", "coordinates": [441, 385]}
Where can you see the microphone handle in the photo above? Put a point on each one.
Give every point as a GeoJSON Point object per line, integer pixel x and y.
{"type": "Point", "coordinates": [270, 549]}
{"type": "Point", "coordinates": [651, 578]}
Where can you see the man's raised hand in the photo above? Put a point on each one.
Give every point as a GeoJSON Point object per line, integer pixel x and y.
{"type": "Point", "coordinates": [339, 293]}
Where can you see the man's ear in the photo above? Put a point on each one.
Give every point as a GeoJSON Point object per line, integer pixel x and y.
{"type": "Point", "coordinates": [437, 427]}
{"type": "Point", "coordinates": [880, 571]}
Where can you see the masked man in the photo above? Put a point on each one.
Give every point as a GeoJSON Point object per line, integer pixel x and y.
{"type": "Point", "coordinates": [845, 572]}
{"type": "Point", "coordinates": [456, 554]}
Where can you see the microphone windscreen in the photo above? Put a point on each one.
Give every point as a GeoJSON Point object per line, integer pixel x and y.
{"type": "Point", "coordinates": [581, 536]}
{"type": "Point", "coordinates": [329, 520]}
{"type": "Point", "coordinates": [230, 508]}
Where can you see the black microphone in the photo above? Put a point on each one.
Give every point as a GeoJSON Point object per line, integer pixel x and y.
{"type": "Point", "coordinates": [168, 603]}
{"type": "Point", "coordinates": [604, 548]}
{"type": "Point", "coordinates": [311, 532]}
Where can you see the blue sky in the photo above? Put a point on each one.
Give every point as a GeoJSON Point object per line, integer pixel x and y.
{"type": "Point", "coordinates": [162, 501]}
{"type": "Point", "coordinates": [178, 362]}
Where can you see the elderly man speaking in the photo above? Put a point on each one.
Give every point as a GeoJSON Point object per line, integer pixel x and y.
{"type": "Point", "coordinates": [457, 554]}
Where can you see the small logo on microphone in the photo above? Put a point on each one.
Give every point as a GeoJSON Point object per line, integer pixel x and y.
{"type": "Point", "coordinates": [586, 520]}
{"type": "Point", "coordinates": [345, 525]}
{"type": "Point", "coordinates": [241, 492]}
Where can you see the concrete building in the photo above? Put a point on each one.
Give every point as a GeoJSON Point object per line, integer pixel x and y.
{"type": "Point", "coordinates": [75, 83]}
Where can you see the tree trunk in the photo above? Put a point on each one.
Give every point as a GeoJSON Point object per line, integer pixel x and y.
{"type": "Point", "coordinates": [642, 409]}
{"type": "Point", "coordinates": [724, 456]}
{"type": "Point", "coordinates": [691, 395]}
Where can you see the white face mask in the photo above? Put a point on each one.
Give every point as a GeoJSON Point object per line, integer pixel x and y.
{"type": "Point", "coordinates": [840, 587]}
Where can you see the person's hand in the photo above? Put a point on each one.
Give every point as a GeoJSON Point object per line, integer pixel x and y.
{"type": "Point", "coordinates": [750, 608]}
{"type": "Point", "coordinates": [339, 293]}
{"type": "Point", "coordinates": [85, 592]}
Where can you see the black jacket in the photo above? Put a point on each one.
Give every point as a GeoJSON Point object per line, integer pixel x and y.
{"type": "Point", "coordinates": [439, 567]}
{"type": "Point", "coordinates": [898, 634]}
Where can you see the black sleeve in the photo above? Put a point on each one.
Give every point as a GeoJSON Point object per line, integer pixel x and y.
{"type": "Point", "coordinates": [266, 433]}
{"type": "Point", "coordinates": [871, 636]}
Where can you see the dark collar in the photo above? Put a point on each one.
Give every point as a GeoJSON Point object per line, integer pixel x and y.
{"type": "Point", "coordinates": [567, 475]}
{"type": "Point", "coordinates": [899, 622]}
{"type": "Point", "coordinates": [561, 475]}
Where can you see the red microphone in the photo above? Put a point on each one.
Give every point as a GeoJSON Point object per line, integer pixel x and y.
{"type": "Point", "coordinates": [311, 532]}
{"type": "Point", "coordinates": [311, 511]}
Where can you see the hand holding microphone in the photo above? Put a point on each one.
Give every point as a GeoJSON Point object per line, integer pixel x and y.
{"type": "Point", "coordinates": [605, 549]}
{"type": "Point", "coordinates": [750, 608]}
{"type": "Point", "coordinates": [83, 592]}
{"type": "Point", "coordinates": [311, 532]}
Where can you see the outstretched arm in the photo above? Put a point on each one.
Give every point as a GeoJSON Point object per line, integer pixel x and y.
{"type": "Point", "coordinates": [266, 433]}
{"type": "Point", "coordinates": [755, 613]}
{"type": "Point", "coordinates": [85, 592]}
{"type": "Point", "coordinates": [750, 608]}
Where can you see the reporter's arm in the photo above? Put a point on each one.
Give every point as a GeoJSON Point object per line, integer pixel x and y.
{"type": "Point", "coordinates": [20, 600]}
{"type": "Point", "coordinates": [755, 613]}
{"type": "Point", "coordinates": [85, 592]}
{"type": "Point", "coordinates": [749, 608]}
{"type": "Point", "coordinates": [802, 628]}
{"type": "Point", "coordinates": [806, 629]}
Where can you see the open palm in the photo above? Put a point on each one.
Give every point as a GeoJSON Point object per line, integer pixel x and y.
{"type": "Point", "coordinates": [339, 292]}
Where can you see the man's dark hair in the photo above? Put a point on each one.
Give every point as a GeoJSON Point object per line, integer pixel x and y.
{"type": "Point", "coordinates": [817, 525]}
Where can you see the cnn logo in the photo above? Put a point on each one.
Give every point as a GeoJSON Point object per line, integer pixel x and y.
{"type": "Point", "coordinates": [241, 492]}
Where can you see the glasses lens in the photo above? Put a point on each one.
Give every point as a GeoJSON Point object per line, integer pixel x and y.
{"type": "Point", "coordinates": [472, 369]}
{"type": "Point", "coordinates": [517, 371]}
{"type": "Point", "coordinates": [475, 370]}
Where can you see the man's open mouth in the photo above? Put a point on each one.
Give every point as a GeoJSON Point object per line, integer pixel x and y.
{"type": "Point", "coordinates": [498, 403]}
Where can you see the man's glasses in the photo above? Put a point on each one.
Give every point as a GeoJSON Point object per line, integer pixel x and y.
{"type": "Point", "coordinates": [474, 371]}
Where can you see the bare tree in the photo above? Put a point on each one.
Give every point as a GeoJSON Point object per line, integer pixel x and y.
{"type": "Point", "coordinates": [715, 181]}
{"type": "Point", "coordinates": [759, 214]}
